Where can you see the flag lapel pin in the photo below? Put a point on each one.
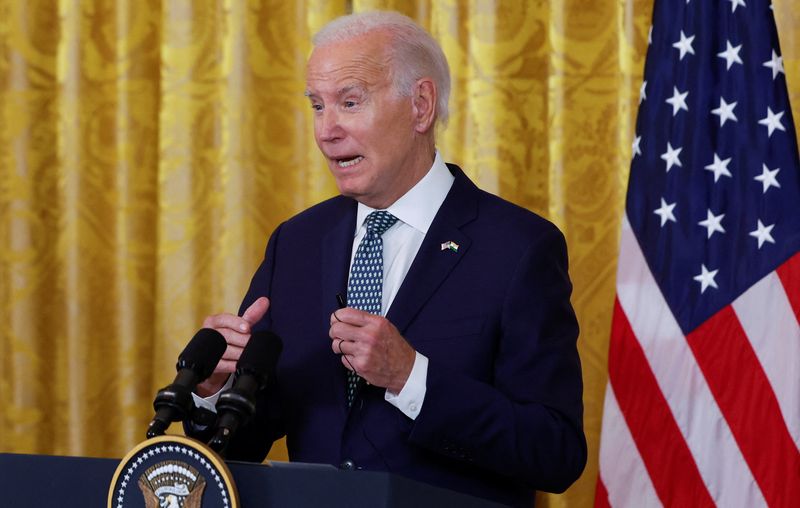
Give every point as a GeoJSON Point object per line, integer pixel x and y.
{"type": "Point", "coordinates": [450, 245]}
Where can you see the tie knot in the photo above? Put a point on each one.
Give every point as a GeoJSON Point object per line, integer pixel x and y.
{"type": "Point", "coordinates": [379, 222]}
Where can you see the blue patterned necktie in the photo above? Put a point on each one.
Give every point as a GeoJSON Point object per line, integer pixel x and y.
{"type": "Point", "coordinates": [365, 287]}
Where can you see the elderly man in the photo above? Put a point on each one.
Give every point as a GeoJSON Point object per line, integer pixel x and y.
{"type": "Point", "coordinates": [454, 359]}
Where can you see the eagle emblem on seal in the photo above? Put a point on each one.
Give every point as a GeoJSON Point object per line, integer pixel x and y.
{"type": "Point", "coordinates": [172, 484]}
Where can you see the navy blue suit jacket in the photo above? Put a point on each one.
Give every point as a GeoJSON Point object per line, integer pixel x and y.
{"type": "Point", "coordinates": [502, 415]}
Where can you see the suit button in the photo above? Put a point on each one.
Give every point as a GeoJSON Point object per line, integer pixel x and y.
{"type": "Point", "coordinates": [348, 465]}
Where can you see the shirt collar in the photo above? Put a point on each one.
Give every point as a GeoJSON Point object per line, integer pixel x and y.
{"type": "Point", "coordinates": [419, 205]}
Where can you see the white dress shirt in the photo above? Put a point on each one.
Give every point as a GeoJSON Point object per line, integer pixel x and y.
{"type": "Point", "coordinates": [415, 211]}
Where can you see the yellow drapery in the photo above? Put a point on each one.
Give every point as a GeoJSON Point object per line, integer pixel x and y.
{"type": "Point", "coordinates": [148, 147]}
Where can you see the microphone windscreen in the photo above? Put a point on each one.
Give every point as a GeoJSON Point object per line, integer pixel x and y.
{"type": "Point", "coordinates": [203, 352]}
{"type": "Point", "coordinates": [261, 354]}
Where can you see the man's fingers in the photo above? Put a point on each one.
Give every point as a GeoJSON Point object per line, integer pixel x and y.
{"type": "Point", "coordinates": [242, 324]}
{"type": "Point", "coordinates": [353, 317]}
{"type": "Point", "coordinates": [348, 332]}
{"type": "Point", "coordinates": [256, 311]}
{"type": "Point", "coordinates": [372, 329]}
{"type": "Point", "coordinates": [225, 321]}
{"type": "Point", "coordinates": [232, 353]}
{"type": "Point", "coordinates": [226, 366]}
{"type": "Point", "coordinates": [348, 364]}
{"type": "Point", "coordinates": [234, 338]}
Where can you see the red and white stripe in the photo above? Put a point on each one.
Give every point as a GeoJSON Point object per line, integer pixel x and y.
{"type": "Point", "coordinates": [707, 419]}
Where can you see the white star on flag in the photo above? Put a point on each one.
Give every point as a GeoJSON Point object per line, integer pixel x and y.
{"type": "Point", "coordinates": [706, 278]}
{"type": "Point", "coordinates": [763, 233]}
{"type": "Point", "coordinates": [665, 212]}
{"type": "Point", "coordinates": [636, 146]}
{"type": "Point", "coordinates": [768, 178]}
{"type": "Point", "coordinates": [671, 156]}
{"type": "Point", "coordinates": [684, 45]}
{"type": "Point", "coordinates": [642, 92]}
{"type": "Point", "coordinates": [678, 100]}
{"type": "Point", "coordinates": [712, 223]}
{"type": "Point", "coordinates": [736, 3]}
{"type": "Point", "coordinates": [725, 112]}
{"type": "Point", "coordinates": [772, 121]}
{"type": "Point", "coordinates": [731, 54]}
{"type": "Point", "coordinates": [719, 167]}
{"type": "Point", "coordinates": [776, 64]}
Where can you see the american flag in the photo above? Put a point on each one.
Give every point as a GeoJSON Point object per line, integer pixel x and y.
{"type": "Point", "coordinates": [702, 407]}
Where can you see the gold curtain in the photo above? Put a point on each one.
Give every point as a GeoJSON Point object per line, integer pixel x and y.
{"type": "Point", "coordinates": [148, 147]}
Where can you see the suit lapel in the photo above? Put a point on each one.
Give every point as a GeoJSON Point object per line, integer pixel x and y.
{"type": "Point", "coordinates": [337, 244]}
{"type": "Point", "coordinates": [433, 264]}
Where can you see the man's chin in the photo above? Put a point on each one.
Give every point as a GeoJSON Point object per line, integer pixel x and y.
{"type": "Point", "coordinates": [347, 183]}
{"type": "Point", "coordinates": [346, 189]}
{"type": "Point", "coordinates": [353, 195]}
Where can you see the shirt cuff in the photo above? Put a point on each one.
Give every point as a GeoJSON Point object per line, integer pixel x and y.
{"type": "Point", "coordinates": [411, 397]}
{"type": "Point", "coordinates": [210, 402]}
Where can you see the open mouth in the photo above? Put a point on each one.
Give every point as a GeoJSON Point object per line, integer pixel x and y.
{"type": "Point", "coordinates": [347, 162]}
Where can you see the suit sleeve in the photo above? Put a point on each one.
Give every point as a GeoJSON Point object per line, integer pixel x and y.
{"type": "Point", "coordinates": [527, 423]}
{"type": "Point", "coordinates": [253, 440]}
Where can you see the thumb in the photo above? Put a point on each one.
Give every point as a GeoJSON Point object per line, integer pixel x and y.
{"type": "Point", "coordinates": [256, 311]}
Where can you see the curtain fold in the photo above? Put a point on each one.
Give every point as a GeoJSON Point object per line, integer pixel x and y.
{"type": "Point", "coordinates": [148, 147]}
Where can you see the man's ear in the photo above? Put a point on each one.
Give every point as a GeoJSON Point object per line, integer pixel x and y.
{"type": "Point", "coordinates": [424, 101]}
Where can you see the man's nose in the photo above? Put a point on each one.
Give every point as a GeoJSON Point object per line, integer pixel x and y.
{"type": "Point", "coordinates": [328, 127]}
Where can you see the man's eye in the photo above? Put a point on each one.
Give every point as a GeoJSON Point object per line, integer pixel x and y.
{"type": "Point", "coordinates": [316, 107]}
{"type": "Point", "coordinates": [350, 104]}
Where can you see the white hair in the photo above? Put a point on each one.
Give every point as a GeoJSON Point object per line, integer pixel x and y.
{"type": "Point", "coordinates": [414, 53]}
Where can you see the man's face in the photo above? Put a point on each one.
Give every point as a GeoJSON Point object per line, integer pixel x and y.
{"type": "Point", "coordinates": [365, 130]}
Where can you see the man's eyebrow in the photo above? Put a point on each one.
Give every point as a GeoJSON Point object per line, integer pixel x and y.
{"type": "Point", "coordinates": [342, 91]}
{"type": "Point", "coordinates": [349, 88]}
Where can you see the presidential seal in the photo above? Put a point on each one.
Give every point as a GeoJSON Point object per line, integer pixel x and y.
{"type": "Point", "coordinates": [172, 484]}
{"type": "Point", "coordinates": [172, 472]}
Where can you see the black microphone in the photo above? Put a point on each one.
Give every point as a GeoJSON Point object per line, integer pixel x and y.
{"type": "Point", "coordinates": [255, 368]}
{"type": "Point", "coordinates": [173, 403]}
